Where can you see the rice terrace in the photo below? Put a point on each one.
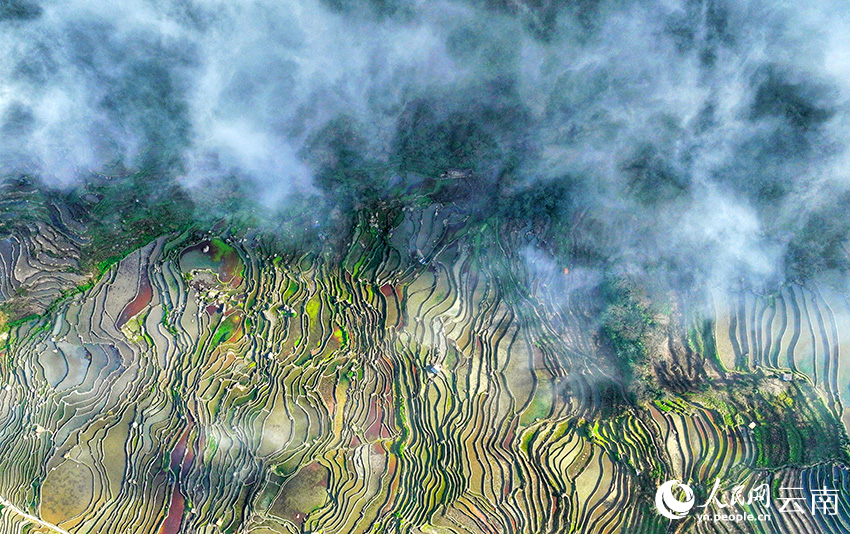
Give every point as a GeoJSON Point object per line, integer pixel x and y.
{"type": "Point", "coordinates": [407, 267]}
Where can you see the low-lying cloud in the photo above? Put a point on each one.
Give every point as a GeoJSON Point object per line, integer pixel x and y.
{"type": "Point", "coordinates": [705, 139]}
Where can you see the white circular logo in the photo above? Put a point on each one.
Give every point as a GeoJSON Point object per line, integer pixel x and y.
{"type": "Point", "coordinates": [668, 505]}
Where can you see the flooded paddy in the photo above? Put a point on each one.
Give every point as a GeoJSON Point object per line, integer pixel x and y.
{"type": "Point", "coordinates": [204, 387]}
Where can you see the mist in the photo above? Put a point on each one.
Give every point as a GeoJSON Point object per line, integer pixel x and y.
{"type": "Point", "coordinates": [704, 142]}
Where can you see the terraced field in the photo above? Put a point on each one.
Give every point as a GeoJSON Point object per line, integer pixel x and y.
{"type": "Point", "coordinates": [795, 330]}
{"type": "Point", "coordinates": [418, 385]}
